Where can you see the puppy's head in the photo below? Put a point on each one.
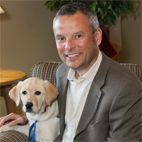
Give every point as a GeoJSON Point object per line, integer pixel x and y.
{"type": "Point", "coordinates": [34, 93]}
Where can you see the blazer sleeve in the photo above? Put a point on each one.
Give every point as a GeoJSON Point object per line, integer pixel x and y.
{"type": "Point", "coordinates": [125, 114]}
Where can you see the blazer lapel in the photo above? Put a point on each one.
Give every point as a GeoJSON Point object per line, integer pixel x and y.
{"type": "Point", "coordinates": [94, 95]}
{"type": "Point", "coordinates": [89, 108]}
{"type": "Point", "coordinates": [62, 87]}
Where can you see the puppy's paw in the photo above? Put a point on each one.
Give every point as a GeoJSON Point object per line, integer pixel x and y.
{"type": "Point", "coordinates": [4, 128]}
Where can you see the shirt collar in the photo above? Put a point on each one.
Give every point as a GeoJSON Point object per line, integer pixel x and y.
{"type": "Point", "coordinates": [88, 75]}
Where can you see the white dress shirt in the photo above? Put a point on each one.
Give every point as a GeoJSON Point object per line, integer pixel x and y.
{"type": "Point", "coordinates": [76, 97]}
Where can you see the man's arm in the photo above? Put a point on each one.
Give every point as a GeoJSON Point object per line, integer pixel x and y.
{"type": "Point", "coordinates": [125, 114]}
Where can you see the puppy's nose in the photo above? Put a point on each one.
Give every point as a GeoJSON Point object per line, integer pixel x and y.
{"type": "Point", "coordinates": [28, 105]}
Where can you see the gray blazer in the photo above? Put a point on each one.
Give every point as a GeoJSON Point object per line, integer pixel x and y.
{"type": "Point", "coordinates": [112, 111]}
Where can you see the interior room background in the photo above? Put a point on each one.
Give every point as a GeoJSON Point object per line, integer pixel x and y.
{"type": "Point", "coordinates": [26, 36]}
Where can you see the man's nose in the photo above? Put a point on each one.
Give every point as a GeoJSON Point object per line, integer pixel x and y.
{"type": "Point", "coordinates": [69, 44]}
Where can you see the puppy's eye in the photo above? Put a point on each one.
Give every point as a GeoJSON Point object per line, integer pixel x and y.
{"type": "Point", "coordinates": [37, 92]}
{"type": "Point", "coordinates": [24, 92]}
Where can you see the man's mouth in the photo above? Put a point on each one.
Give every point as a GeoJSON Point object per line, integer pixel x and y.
{"type": "Point", "coordinates": [73, 55]}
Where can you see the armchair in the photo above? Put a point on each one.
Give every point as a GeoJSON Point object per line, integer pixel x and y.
{"type": "Point", "coordinates": [45, 70]}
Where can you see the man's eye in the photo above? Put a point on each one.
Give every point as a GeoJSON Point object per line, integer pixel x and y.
{"type": "Point", "coordinates": [78, 36]}
{"type": "Point", "coordinates": [24, 92]}
{"type": "Point", "coordinates": [60, 39]}
{"type": "Point", "coordinates": [37, 92]}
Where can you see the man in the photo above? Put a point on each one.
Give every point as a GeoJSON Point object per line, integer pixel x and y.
{"type": "Point", "coordinates": [99, 100]}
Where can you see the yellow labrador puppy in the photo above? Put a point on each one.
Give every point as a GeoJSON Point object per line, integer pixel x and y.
{"type": "Point", "coordinates": [39, 102]}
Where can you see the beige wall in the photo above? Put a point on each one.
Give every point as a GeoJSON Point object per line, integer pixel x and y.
{"type": "Point", "coordinates": [27, 36]}
{"type": "Point", "coordinates": [132, 37]}
{"type": "Point", "coordinates": [127, 32]}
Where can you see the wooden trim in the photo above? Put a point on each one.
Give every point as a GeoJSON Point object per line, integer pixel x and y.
{"type": "Point", "coordinates": [118, 47]}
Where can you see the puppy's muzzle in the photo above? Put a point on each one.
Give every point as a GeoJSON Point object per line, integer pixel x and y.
{"type": "Point", "coordinates": [29, 106]}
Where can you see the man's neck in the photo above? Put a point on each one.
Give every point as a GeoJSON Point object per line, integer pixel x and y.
{"type": "Point", "coordinates": [76, 75]}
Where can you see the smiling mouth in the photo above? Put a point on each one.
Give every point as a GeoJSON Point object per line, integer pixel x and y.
{"type": "Point", "coordinates": [73, 55]}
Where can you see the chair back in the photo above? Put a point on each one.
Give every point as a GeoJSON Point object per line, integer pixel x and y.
{"type": "Point", "coordinates": [137, 69]}
{"type": "Point", "coordinates": [45, 70]}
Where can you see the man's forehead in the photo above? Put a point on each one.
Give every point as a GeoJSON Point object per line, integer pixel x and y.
{"type": "Point", "coordinates": [73, 20]}
{"type": "Point", "coordinates": [78, 14]}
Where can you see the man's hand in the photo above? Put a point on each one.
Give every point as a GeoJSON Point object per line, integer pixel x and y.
{"type": "Point", "coordinates": [12, 119]}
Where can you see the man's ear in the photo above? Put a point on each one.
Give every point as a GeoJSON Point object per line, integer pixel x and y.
{"type": "Point", "coordinates": [98, 36]}
{"type": "Point", "coordinates": [51, 92]}
{"type": "Point", "coordinates": [14, 93]}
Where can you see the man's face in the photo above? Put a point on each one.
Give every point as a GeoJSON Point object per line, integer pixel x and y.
{"type": "Point", "coordinates": [76, 43]}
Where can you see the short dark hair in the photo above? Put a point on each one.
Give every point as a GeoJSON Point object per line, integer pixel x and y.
{"type": "Point", "coordinates": [73, 7]}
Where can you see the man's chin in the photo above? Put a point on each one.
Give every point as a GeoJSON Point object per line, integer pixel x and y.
{"type": "Point", "coordinates": [73, 67]}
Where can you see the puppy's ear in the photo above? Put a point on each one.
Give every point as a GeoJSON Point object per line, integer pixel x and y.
{"type": "Point", "coordinates": [14, 93]}
{"type": "Point", "coordinates": [51, 92]}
